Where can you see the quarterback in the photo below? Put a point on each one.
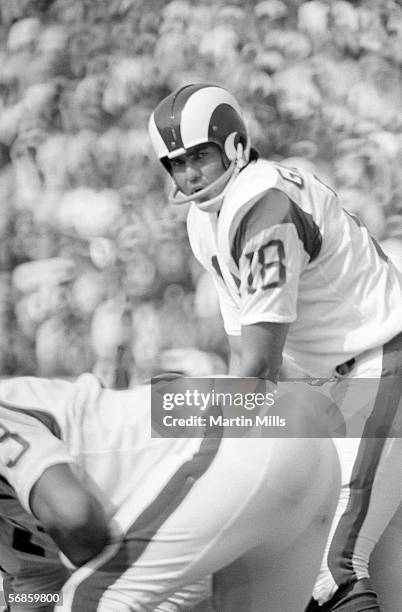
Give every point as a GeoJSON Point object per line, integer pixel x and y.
{"type": "Point", "coordinates": [131, 523]}
{"type": "Point", "coordinates": [299, 279]}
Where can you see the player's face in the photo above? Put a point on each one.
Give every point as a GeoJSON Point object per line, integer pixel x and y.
{"type": "Point", "coordinates": [198, 168]}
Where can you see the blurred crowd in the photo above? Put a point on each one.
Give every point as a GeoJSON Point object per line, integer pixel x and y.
{"type": "Point", "coordinates": [95, 268]}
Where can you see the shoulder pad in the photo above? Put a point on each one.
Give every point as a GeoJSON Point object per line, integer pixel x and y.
{"type": "Point", "coordinates": [255, 180]}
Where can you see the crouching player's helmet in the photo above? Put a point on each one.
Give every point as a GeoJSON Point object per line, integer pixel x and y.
{"type": "Point", "coordinates": [201, 114]}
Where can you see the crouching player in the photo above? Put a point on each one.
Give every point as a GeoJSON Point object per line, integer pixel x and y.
{"type": "Point", "coordinates": [138, 519]}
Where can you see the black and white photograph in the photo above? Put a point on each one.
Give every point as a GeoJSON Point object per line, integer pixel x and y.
{"type": "Point", "coordinates": [200, 306]}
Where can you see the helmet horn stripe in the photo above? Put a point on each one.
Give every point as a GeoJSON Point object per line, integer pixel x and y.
{"type": "Point", "coordinates": [157, 141]}
{"type": "Point", "coordinates": [168, 115]}
{"type": "Point", "coordinates": [203, 103]}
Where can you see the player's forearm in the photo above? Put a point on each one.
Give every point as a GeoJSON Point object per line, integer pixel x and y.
{"type": "Point", "coordinates": [261, 350]}
{"type": "Point", "coordinates": [70, 514]}
{"type": "Point", "coordinates": [234, 364]}
{"type": "Point", "coordinates": [244, 366]}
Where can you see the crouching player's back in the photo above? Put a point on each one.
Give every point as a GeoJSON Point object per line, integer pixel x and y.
{"type": "Point", "coordinates": [81, 464]}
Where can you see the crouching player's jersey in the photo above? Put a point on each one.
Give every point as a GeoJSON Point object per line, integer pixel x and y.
{"type": "Point", "coordinates": [28, 446]}
{"type": "Point", "coordinates": [22, 539]}
{"type": "Point", "coordinates": [186, 506]}
{"type": "Point", "coordinates": [104, 434]}
{"type": "Point", "coordinates": [282, 249]}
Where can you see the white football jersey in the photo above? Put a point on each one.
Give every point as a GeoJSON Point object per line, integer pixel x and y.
{"type": "Point", "coordinates": [282, 249]}
{"type": "Point", "coordinates": [104, 434]}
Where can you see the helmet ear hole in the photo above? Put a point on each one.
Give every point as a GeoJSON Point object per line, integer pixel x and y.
{"type": "Point", "coordinates": [231, 145]}
{"type": "Point", "coordinates": [242, 140]}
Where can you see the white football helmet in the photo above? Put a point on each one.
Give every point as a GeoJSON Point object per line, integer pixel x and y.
{"type": "Point", "coordinates": [200, 114]}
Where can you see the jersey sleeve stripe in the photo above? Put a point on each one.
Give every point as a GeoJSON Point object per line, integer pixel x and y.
{"type": "Point", "coordinates": [307, 230]}
{"type": "Point", "coordinates": [276, 208]}
{"type": "Point", "coordinates": [47, 419]}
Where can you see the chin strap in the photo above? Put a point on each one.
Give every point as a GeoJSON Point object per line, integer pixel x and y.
{"type": "Point", "coordinates": [223, 183]}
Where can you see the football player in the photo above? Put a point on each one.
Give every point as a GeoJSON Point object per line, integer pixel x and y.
{"type": "Point", "coordinates": [137, 519]}
{"type": "Point", "coordinates": [297, 277]}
